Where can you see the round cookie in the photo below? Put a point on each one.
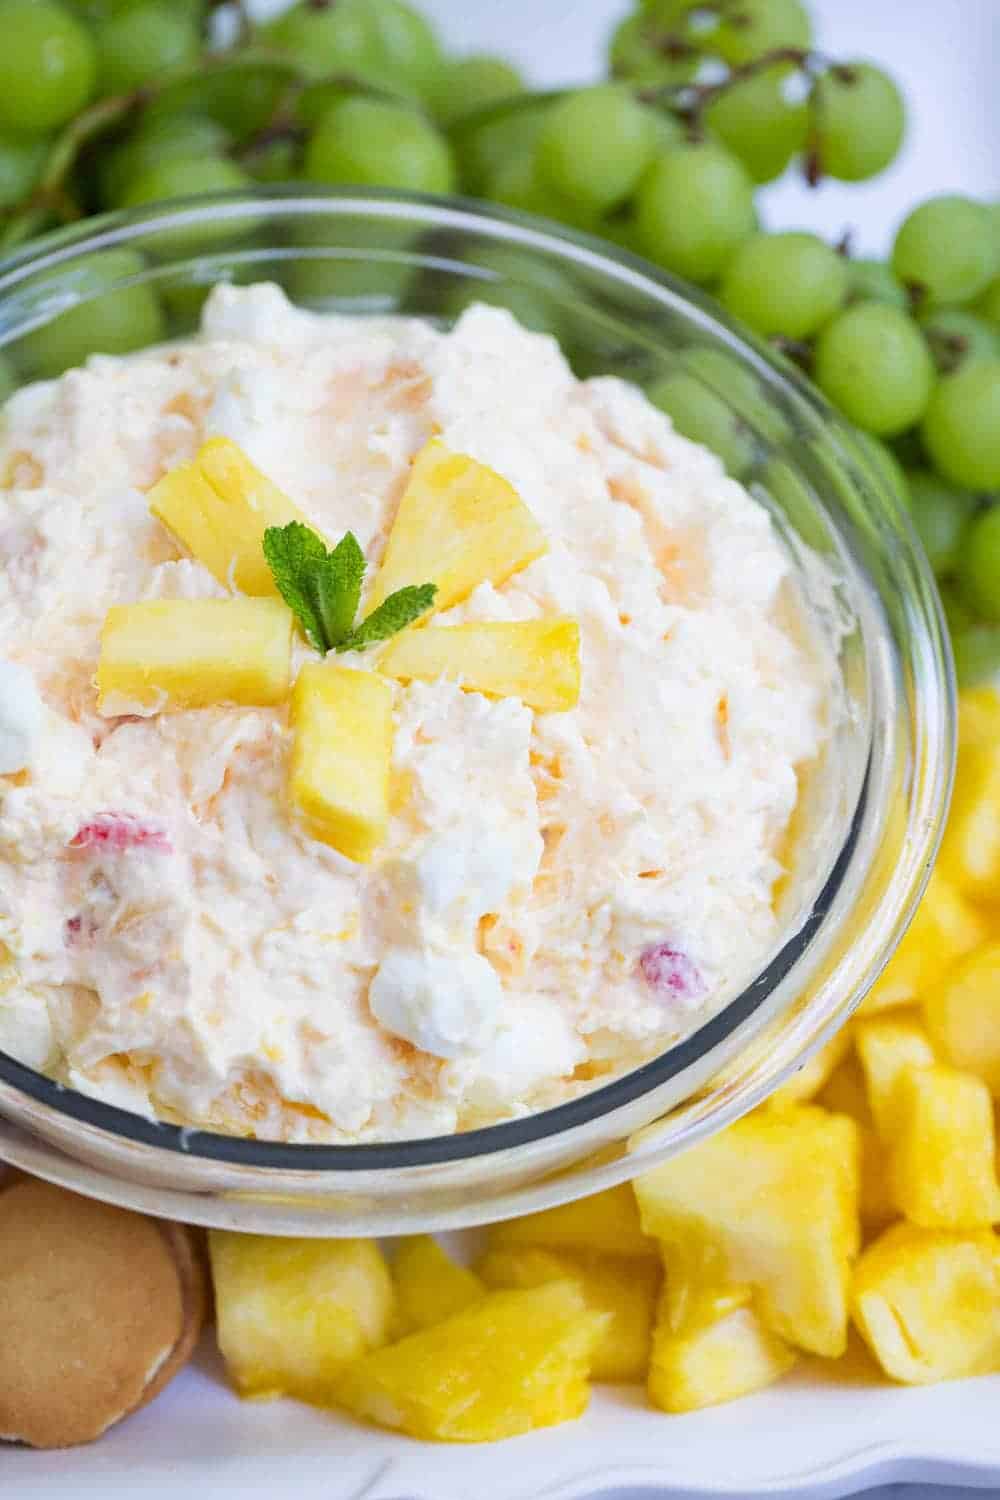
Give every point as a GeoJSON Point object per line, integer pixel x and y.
{"type": "Point", "coordinates": [92, 1309]}
{"type": "Point", "coordinates": [195, 1294]}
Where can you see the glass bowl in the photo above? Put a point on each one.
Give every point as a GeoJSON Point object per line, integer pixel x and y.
{"type": "Point", "coordinates": [124, 281]}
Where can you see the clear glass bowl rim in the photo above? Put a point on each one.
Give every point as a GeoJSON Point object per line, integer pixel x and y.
{"type": "Point", "coordinates": [130, 228]}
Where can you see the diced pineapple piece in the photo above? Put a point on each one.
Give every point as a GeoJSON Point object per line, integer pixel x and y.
{"type": "Point", "coordinates": [887, 1045]}
{"type": "Point", "coordinates": [927, 1303]}
{"type": "Point", "coordinates": [169, 654]}
{"type": "Point", "coordinates": [218, 508]}
{"type": "Point", "coordinates": [513, 1361]}
{"type": "Point", "coordinates": [963, 1015]}
{"type": "Point", "coordinates": [970, 850]}
{"type": "Point", "coordinates": [537, 661]}
{"type": "Point", "coordinates": [810, 1078]}
{"type": "Point", "coordinates": [607, 1222]}
{"type": "Point", "coordinates": [339, 770]}
{"type": "Point", "coordinates": [719, 1351]}
{"type": "Point", "coordinates": [942, 1157]}
{"type": "Point", "coordinates": [291, 1313]}
{"type": "Point", "coordinates": [458, 525]}
{"type": "Point", "coordinates": [944, 928]}
{"type": "Point", "coordinates": [430, 1286]}
{"type": "Point", "coordinates": [624, 1289]}
{"type": "Point", "coordinates": [845, 1094]}
{"type": "Point", "coordinates": [772, 1202]}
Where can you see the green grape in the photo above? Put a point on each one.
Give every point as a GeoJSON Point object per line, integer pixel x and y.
{"type": "Point", "coordinates": [48, 65]}
{"type": "Point", "coordinates": [111, 319]}
{"type": "Point", "coordinates": [242, 96]}
{"type": "Point", "coordinates": [988, 305]}
{"type": "Point", "coordinates": [740, 388]}
{"type": "Point", "coordinates": [276, 161]}
{"type": "Point", "coordinates": [873, 281]}
{"type": "Point", "coordinates": [185, 177]}
{"type": "Point", "coordinates": [977, 653]}
{"type": "Point", "coordinates": [861, 120]}
{"type": "Point", "coordinates": [323, 39]}
{"type": "Point", "coordinates": [143, 43]}
{"type": "Point", "coordinates": [665, 128]}
{"type": "Point", "coordinates": [154, 142]}
{"type": "Point", "coordinates": [758, 124]}
{"type": "Point", "coordinates": [694, 207]}
{"type": "Point", "coordinates": [873, 363]}
{"type": "Point", "coordinates": [518, 184]}
{"type": "Point", "coordinates": [383, 42]}
{"type": "Point", "coordinates": [957, 613]}
{"type": "Point", "coordinates": [945, 250]}
{"type": "Point", "coordinates": [21, 162]}
{"type": "Point", "coordinates": [8, 380]}
{"type": "Point", "coordinates": [483, 144]}
{"type": "Point", "coordinates": [699, 414]}
{"type": "Point", "coordinates": [956, 335]}
{"type": "Point", "coordinates": [961, 427]}
{"type": "Point", "coordinates": [979, 565]}
{"type": "Point", "coordinates": [469, 83]}
{"type": "Point", "coordinates": [351, 267]}
{"type": "Point", "coordinates": [748, 28]}
{"type": "Point", "coordinates": [787, 284]}
{"type": "Point", "coordinates": [370, 142]}
{"type": "Point", "coordinates": [941, 514]}
{"type": "Point", "coordinates": [645, 50]}
{"type": "Point", "coordinates": [594, 146]}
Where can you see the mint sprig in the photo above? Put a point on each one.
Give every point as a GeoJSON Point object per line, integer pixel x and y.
{"type": "Point", "coordinates": [322, 589]}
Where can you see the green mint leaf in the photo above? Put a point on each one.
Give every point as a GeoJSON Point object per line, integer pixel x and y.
{"type": "Point", "coordinates": [391, 616]}
{"type": "Point", "coordinates": [293, 554]}
{"type": "Point", "coordinates": [336, 588]}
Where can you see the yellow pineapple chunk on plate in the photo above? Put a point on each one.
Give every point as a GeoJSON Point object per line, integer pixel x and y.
{"type": "Point", "coordinates": [718, 1351]}
{"type": "Point", "coordinates": [888, 1045]}
{"type": "Point", "coordinates": [970, 849]}
{"type": "Point", "coordinates": [942, 1154]}
{"type": "Point", "coordinates": [459, 524]}
{"type": "Point", "coordinates": [430, 1286]}
{"type": "Point", "coordinates": [169, 654]}
{"type": "Point", "coordinates": [607, 1222]}
{"type": "Point", "coordinates": [218, 508]}
{"type": "Point", "coordinates": [946, 926]}
{"type": "Point", "coordinates": [963, 1015]}
{"type": "Point", "coordinates": [291, 1313]}
{"type": "Point", "coordinates": [623, 1288]}
{"type": "Point", "coordinates": [537, 661]}
{"type": "Point", "coordinates": [510, 1363]}
{"type": "Point", "coordinates": [341, 753]}
{"type": "Point", "coordinates": [844, 1093]}
{"type": "Point", "coordinates": [927, 1303]}
{"type": "Point", "coordinates": [771, 1203]}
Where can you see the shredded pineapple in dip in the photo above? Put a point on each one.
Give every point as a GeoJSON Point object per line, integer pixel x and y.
{"type": "Point", "coordinates": [559, 895]}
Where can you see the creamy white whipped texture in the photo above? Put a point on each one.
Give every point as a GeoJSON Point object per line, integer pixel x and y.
{"type": "Point", "coordinates": [559, 896]}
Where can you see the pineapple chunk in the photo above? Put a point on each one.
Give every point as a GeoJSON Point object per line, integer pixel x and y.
{"type": "Point", "coordinates": [512, 1362]}
{"type": "Point", "coordinates": [607, 1222]}
{"type": "Point", "coordinates": [537, 661]}
{"type": "Point", "coordinates": [458, 525]}
{"type": "Point", "coordinates": [927, 1303]}
{"type": "Point", "coordinates": [169, 654]}
{"type": "Point", "coordinates": [944, 928]}
{"type": "Point", "coordinates": [887, 1045]}
{"type": "Point", "coordinates": [218, 508]}
{"type": "Point", "coordinates": [810, 1078]}
{"type": "Point", "coordinates": [963, 1015]}
{"type": "Point", "coordinates": [970, 850]}
{"type": "Point", "coordinates": [339, 771]}
{"type": "Point", "coordinates": [430, 1286]}
{"type": "Point", "coordinates": [719, 1351]}
{"type": "Point", "coordinates": [624, 1289]}
{"type": "Point", "coordinates": [771, 1202]}
{"type": "Point", "coordinates": [942, 1161]}
{"type": "Point", "coordinates": [845, 1094]}
{"type": "Point", "coordinates": [291, 1312]}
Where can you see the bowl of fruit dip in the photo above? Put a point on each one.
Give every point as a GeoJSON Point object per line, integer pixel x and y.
{"type": "Point", "coordinates": [424, 770]}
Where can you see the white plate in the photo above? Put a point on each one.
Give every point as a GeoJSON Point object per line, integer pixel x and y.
{"type": "Point", "coordinates": [805, 1437]}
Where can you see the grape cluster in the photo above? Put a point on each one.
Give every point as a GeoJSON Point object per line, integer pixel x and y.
{"type": "Point", "coordinates": [123, 103]}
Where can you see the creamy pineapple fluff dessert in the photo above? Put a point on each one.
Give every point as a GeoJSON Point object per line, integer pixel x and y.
{"type": "Point", "coordinates": [495, 849]}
